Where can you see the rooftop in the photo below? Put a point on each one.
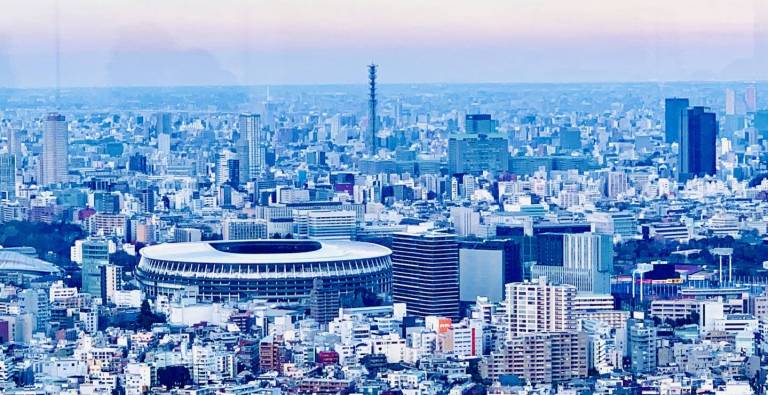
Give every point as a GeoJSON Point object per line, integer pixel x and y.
{"type": "Point", "coordinates": [265, 251]}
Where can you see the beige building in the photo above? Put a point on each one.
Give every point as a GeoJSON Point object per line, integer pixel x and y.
{"type": "Point", "coordinates": [534, 307]}
{"type": "Point", "coordinates": [540, 358]}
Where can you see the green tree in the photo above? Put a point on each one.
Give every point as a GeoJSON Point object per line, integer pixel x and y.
{"type": "Point", "coordinates": [147, 318]}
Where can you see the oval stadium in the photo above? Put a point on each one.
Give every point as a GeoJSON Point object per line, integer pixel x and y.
{"type": "Point", "coordinates": [272, 270]}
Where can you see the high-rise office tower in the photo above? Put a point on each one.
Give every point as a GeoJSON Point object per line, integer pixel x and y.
{"type": "Point", "coordinates": [224, 172]}
{"type": "Point", "coordinates": [479, 124]}
{"type": "Point", "coordinates": [697, 153]}
{"type": "Point", "coordinates": [137, 162]}
{"type": "Point", "coordinates": [324, 301]}
{"type": "Point", "coordinates": [251, 147]}
{"type": "Point", "coordinates": [370, 139]}
{"type": "Point", "coordinates": [14, 144]}
{"type": "Point", "coordinates": [584, 260]}
{"type": "Point", "coordinates": [673, 117]}
{"type": "Point", "coordinates": [162, 123]}
{"type": "Point", "coordinates": [570, 138]}
{"type": "Point", "coordinates": [111, 281]}
{"type": "Point", "coordinates": [148, 200]}
{"type": "Point", "coordinates": [476, 153]}
{"type": "Point", "coordinates": [537, 306]}
{"type": "Point", "coordinates": [479, 148]}
{"type": "Point", "coordinates": [485, 267]}
{"type": "Point", "coordinates": [54, 164]}
{"type": "Point", "coordinates": [95, 255]}
{"type": "Point", "coordinates": [761, 123]}
{"type": "Point", "coordinates": [730, 101]}
{"type": "Point", "coordinates": [617, 182]}
{"type": "Point", "coordinates": [425, 273]}
{"type": "Point", "coordinates": [164, 143]}
{"type": "Point", "coordinates": [750, 99]}
{"type": "Point", "coordinates": [105, 202]}
{"type": "Point", "coordinates": [7, 176]}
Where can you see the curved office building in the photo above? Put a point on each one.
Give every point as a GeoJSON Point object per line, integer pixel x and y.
{"type": "Point", "coordinates": [274, 270]}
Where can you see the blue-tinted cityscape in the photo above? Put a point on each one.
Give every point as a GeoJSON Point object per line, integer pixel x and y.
{"type": "Point", "coordinates": [379, 237]}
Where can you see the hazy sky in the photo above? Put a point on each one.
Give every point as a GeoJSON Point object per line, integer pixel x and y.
{"type": "Point", "coordinates": [195, 42]}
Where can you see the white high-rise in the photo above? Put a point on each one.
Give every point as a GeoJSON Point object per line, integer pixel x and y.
{"type": "Point", "coordinates": [55, 162]}
{"type": "Point", "coordinates": [534, 307]}
{"type": "Point", "coordinates": [251, 148]}
{"type": "Point", "coordinates": [223, 171]}
{"type": "Point", "coordinates": [325, 224]}
{"type": "Point", "coordinates": [244, 229]}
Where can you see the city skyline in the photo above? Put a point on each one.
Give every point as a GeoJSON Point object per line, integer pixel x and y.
{"type": "Point", "coordinates": [536, 197]}
{"type": "Point", "coordinates": [254, 43]}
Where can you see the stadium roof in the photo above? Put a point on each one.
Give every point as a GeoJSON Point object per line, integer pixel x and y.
{"type": "Point", "coordinates": [265, 251]}
{"type": "Point", "coordinates": [12, 261]}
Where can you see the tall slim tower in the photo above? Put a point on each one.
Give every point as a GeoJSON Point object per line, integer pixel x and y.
{"type": "Point", "coordinates": [7, 176]}
{"type": "Point", "coordinates": [673, 116]}
{"type": "Point", "coordinates": [698, 137]}
{"type": "Point", "coordinates": [55, 144]}
{"type": "Point", "coordinates": [251, 147]}
{"type": "Point", "coordinates": [370, 142]}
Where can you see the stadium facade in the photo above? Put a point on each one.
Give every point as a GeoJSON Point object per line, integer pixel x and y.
{"type": "Point", "coordinates": [273, 270]}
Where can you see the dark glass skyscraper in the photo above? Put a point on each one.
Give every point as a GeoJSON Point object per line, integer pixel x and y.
{"type": "Point", "coordinates": [761, 123]}
{"type": "Point", "coordinates": [425, 273]}
{"type": "Point", "coordinates": [698, 137]}
{"type": "Point", "coordinates": [673, 116]}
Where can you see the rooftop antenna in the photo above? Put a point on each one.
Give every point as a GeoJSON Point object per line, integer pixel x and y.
{"type": "Point", "coordinates": [58, 53]}
{"type": "Point", "coordinates": [372, 102]}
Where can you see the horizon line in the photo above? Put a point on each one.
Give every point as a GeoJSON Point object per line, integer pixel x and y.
{"type": "Point", "coordinates": [365, 83]}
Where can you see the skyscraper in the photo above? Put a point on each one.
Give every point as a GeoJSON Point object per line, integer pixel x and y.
{"type": "Point", "coordinates": [536, 306]}
{"type": "Point", "coordinates": [95, 255]}
{"type": "Point", "coordinates": [14, 144]}
{"type": "Point", "coordinates": [750, 99]}
{"type": "Point", "coordinates": [425, 273]}
{"type": "Point", "coordinates": [730, 101]}
{"type": "Point", "coordinates": [251, 147]}
{"type": "Point", "coordinates": [697, 152]}
{"type": "Point", "coordinates": [324, 301]}
{"type": "Point", "coordinates": [584, 260]}
{"type": "Point", "coordinates": [485, 267]}
{"type": "Point", "coordinates": [761, 123]}
{"type": "Point", "coordinates": [164, 143]}
{"type": "Point", "coordinates": [106, 202]}
{"type": "Point", "coordinates": [475, 153]}
{"type": "Point", "coordinates": [370, 140]}
{"type": "Point", "coordinates": [162, 123]}
{"type": "Point", "coordinates": [54, 164]}
{"type": "Point", "coordinates": [111, 279]}
{"type": "Point", "coordinates": [7, 176]}
{"type": "Point", "coordinates": [673, 115]}
{"type": "Point", "coordinates": [224, 172]}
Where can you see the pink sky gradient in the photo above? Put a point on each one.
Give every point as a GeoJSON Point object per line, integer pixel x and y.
{"type": "Point", "coordinates": [289, 41]}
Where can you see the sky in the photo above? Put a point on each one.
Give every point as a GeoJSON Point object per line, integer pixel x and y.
{"type": "Point", "coordinates": [268, 42]}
